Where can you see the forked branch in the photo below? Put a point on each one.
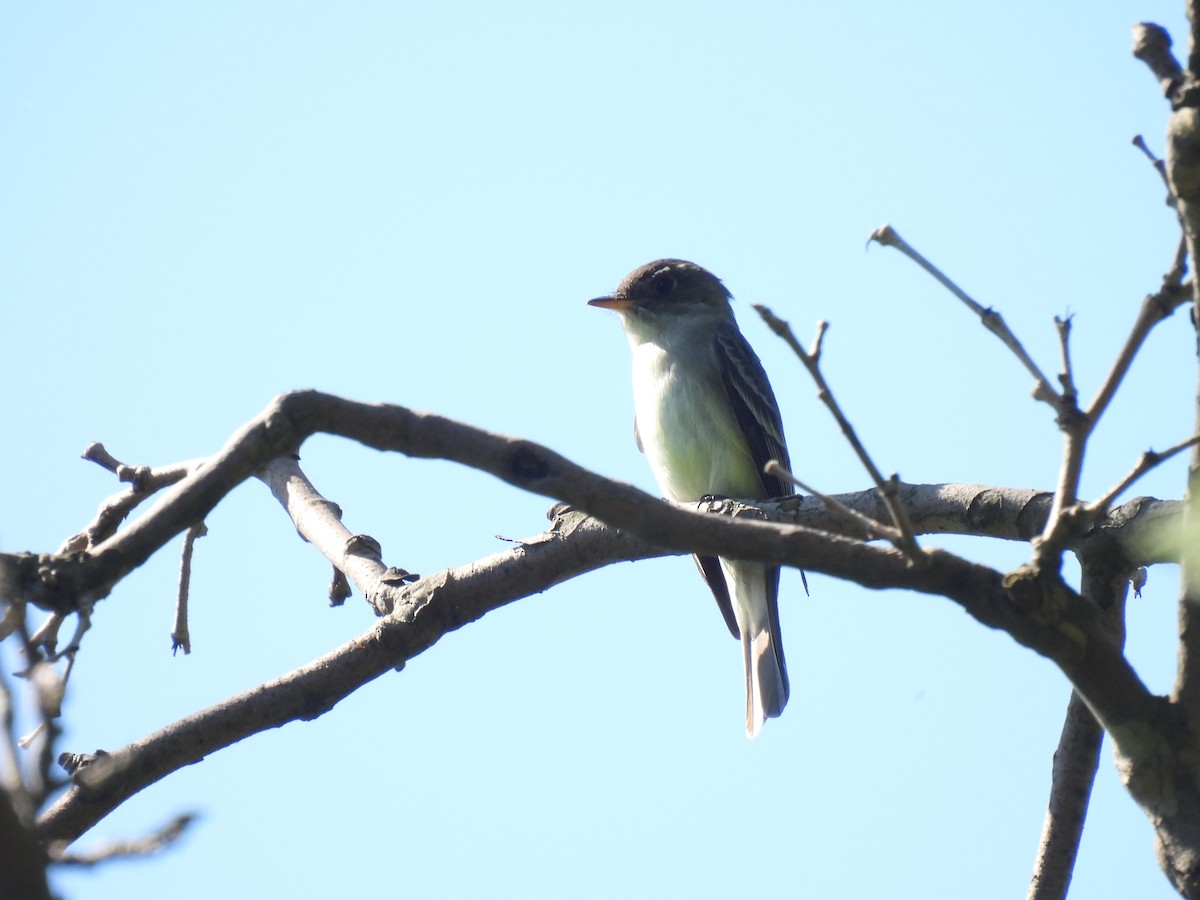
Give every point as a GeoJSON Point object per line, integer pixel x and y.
{"type": "Point", "coordinates": [901, 535]}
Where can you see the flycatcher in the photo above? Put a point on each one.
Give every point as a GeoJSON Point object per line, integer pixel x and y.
{"type": "Point", "coordinates": [707, 420]}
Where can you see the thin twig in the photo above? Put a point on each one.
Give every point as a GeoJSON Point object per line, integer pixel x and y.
{"type": "Point", "coordinates": [143, 482]}
{"type": "Point", "coordinates": [181, 638]}
{"type": "Point", "coordinates": [50, 689]}
{"type": "Point", "coordinates": [1074, 428]}
{"type": "Point", "coordinates": [12, 616]}
{"type": "Point", "coordinates": [1067, 378]}
{"type": "Point", "coordinates": [1077, 425]}
{"type": "Point", "coordinates": [1147, 461]}
{"type": "Point", "coordinates": [26, 740]}
{"type": "Point", "coordinates": [339, 588]}
{"type": "Point", "coordinates": [1174, 278]}
{"type": "Point", "coordinates": [11, 780]}
{"type": "Point", "coordinates": [887, 236]}
{"type": "Point", "coordinates": [888, 490]}
{"type": "Point", "coordinates": [43, 643]}
{"type": "Point", "coordinates": [1060, 527]}
{"type": "Point", "coordinates": [872, 529]}
{"type": "Point", "coordinates": [45, 638]}
{"type": "Point", "coordinates": [1160, 165]}
{"type": "Point", "coordinates": [1155, 307]}
{"type": "Point", "coordinates": [144, 479]}
{"type": "Point", "coordinates": [97, 453]}
{"type": "Point", "coordinates": [144, 846]}
{"type": "Point", "coordinates": [83, 622]}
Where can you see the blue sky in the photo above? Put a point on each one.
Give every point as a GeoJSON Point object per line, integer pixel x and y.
{"type": "Point", "coordinates": [206, 205]}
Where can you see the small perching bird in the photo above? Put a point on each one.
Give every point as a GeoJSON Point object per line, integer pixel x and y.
{"type": "Point", "coordinates": [707, 420]}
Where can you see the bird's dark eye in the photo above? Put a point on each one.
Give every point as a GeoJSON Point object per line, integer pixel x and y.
{"type": "Point", "coordinates": [663, 284]}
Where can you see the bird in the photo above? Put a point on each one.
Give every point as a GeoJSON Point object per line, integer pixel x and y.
{"type": "Point", "coordinates": [707, 420]}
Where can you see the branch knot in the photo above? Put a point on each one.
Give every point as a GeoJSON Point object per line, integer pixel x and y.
{"type": "Point", "coordinates": [527, 464]}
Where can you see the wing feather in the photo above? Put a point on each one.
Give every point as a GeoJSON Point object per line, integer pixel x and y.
{"type": "Point", "coordinates": [753, 404]}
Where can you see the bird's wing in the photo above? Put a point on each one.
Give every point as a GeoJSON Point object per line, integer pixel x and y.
{"type": "Point", "coordinates": [757, 415]}
{"type": "Point", "coordinates": [753, 404]}
{"type": "Point", "coordinates": [710, 571]}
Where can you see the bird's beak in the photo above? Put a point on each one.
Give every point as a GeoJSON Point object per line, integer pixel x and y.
{"type": "Point", "coordinates": [615, 303]}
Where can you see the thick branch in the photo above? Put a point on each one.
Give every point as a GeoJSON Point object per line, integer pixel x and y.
{"type": "Point", "coordinates": [1052, 621]}
{"type": "Point", "coordinates": [291, 418]}
{"type": "Point", "coordinates": [1170, 792]}
{"type": "Point", "coordinates": [22, 861]}
{"type": "Point", "coordinates": [423, 613]}
{"type": "Point", "coordinates": [1060, 627]}
{"type": "Point", "coordinates": [1183, 171]}
{"type": "Point", "coordinates": [1075, 762]}
{"type": "Point", "coordinates": [1106, 573]}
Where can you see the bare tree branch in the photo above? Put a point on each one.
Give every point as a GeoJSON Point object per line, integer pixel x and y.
{"type": "Point", "coordinates": [867, 528]}
{"type": "Point", "coordinates": [1155, 308]}
{"type": "Point", "coordinates": [1074, 769]}
{"type": "Point", "coordinates": [1056, 624]}
{"type": "Point", "coordinates": [1146, 462]}
{"type": "Point", "coordinates": [181, 638]}
{"type": "Point", "coordinates": [1173, 804]}
{"type": "Point", "coordinates": [1077, 425]}
{"type": "Point", "coordinates": [22, 859]}
{"type": "Point", "coordinates": [319, 521]}
{"type": "Point", "coordinates": [1065, 520]}
{"type": "Point", "coordinates": [1067, 378]}
{"type": "Point", "coordinates": [143, 481]}
{"type": "Point", "coordinates": [1044, 615]}
{"type": "Point", "coordinates": [811, 359]}
{"type": "Point", "coordinates": [146, 845]}
{"type": "Point", "coordinates": [1152, 45]}
{"type": "Point", "coordinates": [1106, 579]}
{"type": "Point", "coordinates": [887, 236]}
{"type": "Point", "coordinates": [293, 417]}
{"type": "Point", "coordinates": [422, 613]}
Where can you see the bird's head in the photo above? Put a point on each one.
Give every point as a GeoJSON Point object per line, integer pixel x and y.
{"type": "Point", "coordinates": [667, 288]}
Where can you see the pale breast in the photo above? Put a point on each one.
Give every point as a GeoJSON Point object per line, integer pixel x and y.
{"type": "Point", "coordinates": [688, 431]}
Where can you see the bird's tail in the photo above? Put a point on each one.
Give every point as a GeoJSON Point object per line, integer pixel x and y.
{"type": "Point", "coordinates": [755, 604]}
{"type": "Point", "coordinates": [766, 680]}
